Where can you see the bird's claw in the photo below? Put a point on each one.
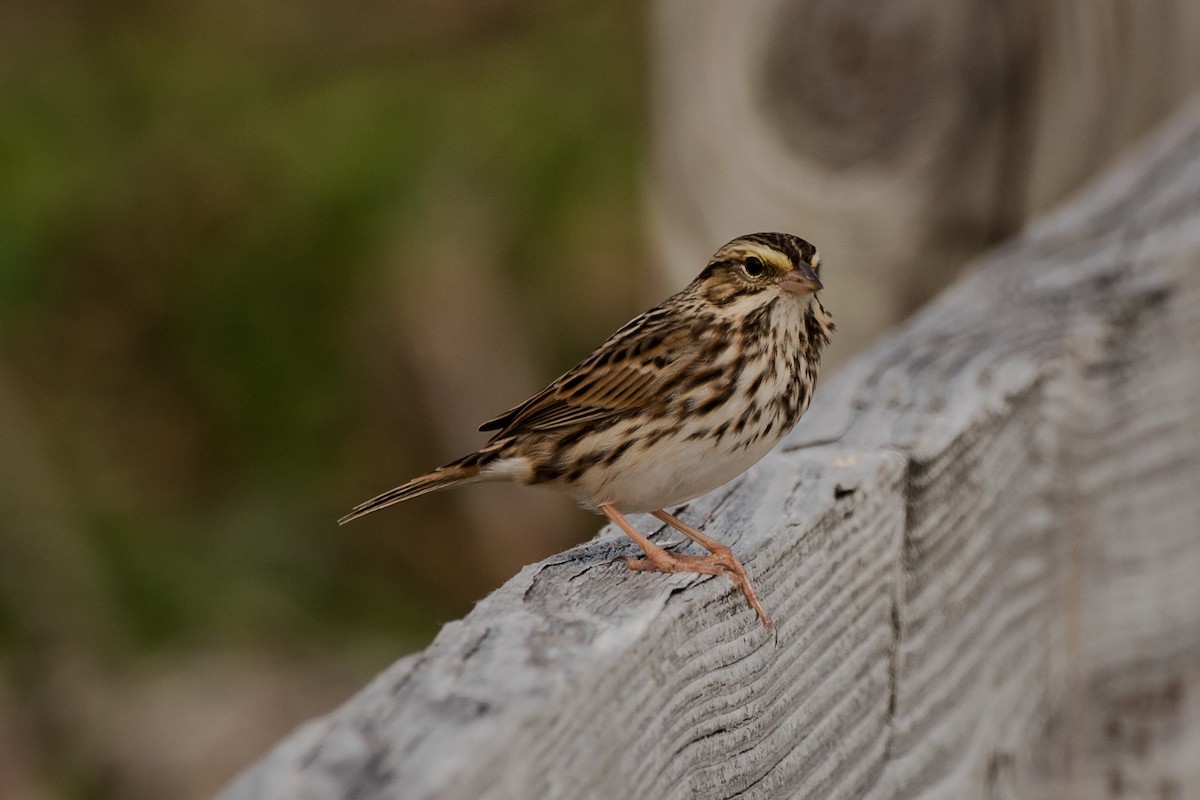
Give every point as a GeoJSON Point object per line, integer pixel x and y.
{"type": "Point", "coordinates": [721, 562]}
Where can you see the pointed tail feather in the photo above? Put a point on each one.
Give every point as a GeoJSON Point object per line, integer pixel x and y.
{"type": "Point", "coordinates": [442, 478]}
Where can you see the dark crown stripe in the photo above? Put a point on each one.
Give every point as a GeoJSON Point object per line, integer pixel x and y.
{"type": "Point", "coordinates": [796, 249]}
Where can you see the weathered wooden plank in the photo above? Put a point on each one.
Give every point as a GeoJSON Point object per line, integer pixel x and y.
{"type": "Point", "coordinates": [581, 669]}
{"type": "Point", "coordinates": [980, 546]}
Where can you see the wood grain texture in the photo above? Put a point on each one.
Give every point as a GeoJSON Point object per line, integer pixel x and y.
{"type": "Point", "coordinates": [903, 136]}
{"type": "Point", "coordinates": [981, 547]}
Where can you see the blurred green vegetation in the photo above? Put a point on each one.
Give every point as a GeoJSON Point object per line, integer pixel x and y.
{"type": "Point", "coordinates": [205, 211]}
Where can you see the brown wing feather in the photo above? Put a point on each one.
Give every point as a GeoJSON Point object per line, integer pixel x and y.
{"type": "Point", "coordinates": [633, 368]}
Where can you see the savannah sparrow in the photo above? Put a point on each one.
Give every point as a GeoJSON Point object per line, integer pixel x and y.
{"type": "Point", "coordinates": [680, 400]}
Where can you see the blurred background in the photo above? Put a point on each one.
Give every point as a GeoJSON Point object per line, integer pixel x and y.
{"type": "Point", "coordinates": [260, 261]}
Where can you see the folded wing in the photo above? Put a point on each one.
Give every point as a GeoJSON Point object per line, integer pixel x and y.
{"type": "Point", "coordinates": [637, 367]}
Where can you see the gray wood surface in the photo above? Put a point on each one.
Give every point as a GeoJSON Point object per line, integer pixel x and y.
{"type": "Point", "coordinates": [982, 548]}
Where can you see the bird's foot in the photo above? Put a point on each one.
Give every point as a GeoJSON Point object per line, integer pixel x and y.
{"type": "Point", "coordinates": [721, 561]}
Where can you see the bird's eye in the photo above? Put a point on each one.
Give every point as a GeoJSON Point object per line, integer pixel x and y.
{"type": "Point", "coordinates": [754, 266]}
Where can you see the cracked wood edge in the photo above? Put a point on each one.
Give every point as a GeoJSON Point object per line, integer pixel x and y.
{"type": "Point", "coordinates": [980, 547]}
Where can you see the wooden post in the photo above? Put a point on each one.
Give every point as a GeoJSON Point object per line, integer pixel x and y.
{"type": "Point", "coordinates": [982, 548]}
{"type": "Point", "coordinates": [905, 137]}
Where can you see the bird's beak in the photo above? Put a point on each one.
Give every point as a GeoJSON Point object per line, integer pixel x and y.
{"type": "Point", "coordinates": [801, 280]}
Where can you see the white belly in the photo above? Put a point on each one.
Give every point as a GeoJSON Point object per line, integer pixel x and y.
{"type": "Point", "coordinates": [672, 471]}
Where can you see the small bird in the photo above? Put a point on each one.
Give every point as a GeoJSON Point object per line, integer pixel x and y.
{"type": "Point", "coordinates": [680, 400]}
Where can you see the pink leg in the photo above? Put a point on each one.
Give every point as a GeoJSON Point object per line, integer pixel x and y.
{"type": "Point", "coordinates": [721, 554]}
{"type": "Point", "coordinates": [722, 561]}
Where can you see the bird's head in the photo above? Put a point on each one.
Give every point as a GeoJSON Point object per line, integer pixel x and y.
{"type": "Point", "coordinates": [766, 265]}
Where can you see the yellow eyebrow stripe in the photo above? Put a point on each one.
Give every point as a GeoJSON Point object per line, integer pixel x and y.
{"type": "Point", "coordinates": [772, 258]}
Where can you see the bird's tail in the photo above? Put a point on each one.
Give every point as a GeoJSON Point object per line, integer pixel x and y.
{"type": "Point", "coordinates": [455, 474]}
